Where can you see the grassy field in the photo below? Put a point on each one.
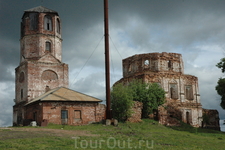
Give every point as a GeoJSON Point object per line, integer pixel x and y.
{"type": "Point", "coordinates": [146, 135]}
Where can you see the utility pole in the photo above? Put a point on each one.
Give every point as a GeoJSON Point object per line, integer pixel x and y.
{"type": "Point", "coordinates": [107, 64]}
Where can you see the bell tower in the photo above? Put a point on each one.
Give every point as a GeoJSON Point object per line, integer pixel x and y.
{"type": "Point", "coordinates": [40, 34]}
{"type": "Point", "coordinates": [41, 67]}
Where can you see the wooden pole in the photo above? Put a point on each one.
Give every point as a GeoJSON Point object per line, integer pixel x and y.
{"type": "Point", "coordinates": [107, 62]}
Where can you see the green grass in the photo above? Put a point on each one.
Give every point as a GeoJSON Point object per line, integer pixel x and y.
{"type": "Point", "coordinates": [145, 135]}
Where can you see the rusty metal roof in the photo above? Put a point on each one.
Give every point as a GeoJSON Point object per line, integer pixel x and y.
{"type": "Point", "coordinates": [41, 9]}
{"type": "Point", "coordinates": [64, 94]}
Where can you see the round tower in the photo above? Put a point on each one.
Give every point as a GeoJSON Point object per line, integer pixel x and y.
{"type": "Point", "coordinates": [40, 33]}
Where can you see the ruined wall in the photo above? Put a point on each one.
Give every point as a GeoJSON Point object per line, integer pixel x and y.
{"type": "Point", "coordinates": [33, 112]}
{"type": "Point", "coordinates": [152, 62]}
{"type": "Point", "coordinates": [211, 119]}
{"type": "Point", "coordinates": [18, 114]}
{"type": "Point", "coordinates": [137, 112]}
{"type": "Point", "coordinates": [167, 70]}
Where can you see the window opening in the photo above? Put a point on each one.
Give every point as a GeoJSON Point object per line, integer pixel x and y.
{"type": "Point", "coordinates": [146, 63]}
{"type": "Point", "coordinates": [35, 116]}
{"type": "Point", "coordinates": [58, 26]}
{"type": "Point", "coordinates": [21, 94]}
{"type": "Point", "coordinates": [48, 46]}
{"type": "Point", "coordinates": [77, 114]}
{"type": "Point", "coordinates": [130, 68]}
{"type": "Point", "coordinates": [173, 91]}
{"type": "Point", "coordinates": [187, 117]}
{"type": "Point", "coordinates": [64, 114]}
{"type": "Point", "coordinates": [169, 63]}
{"type": "Point", "coordinates": [33, 21]}
{"type": "Point", "coordinates": [48, 23]}
{"type": "Point", "coordinates": [189, 92]}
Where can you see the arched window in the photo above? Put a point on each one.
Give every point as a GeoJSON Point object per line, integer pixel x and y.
{"type": "Point", "coordinates": [173, 91]}
{"type": "Point", "coordinates": [48, 23]}
{"type": "Point", "coordinates": [48, 46]}
{"type": "Point", "coordinates": [49, 75]}
{"type": "Point", "coordinates": [33, 21]}
{"type": "Point", "coordinates": [58, 26]}
{"type": "Point", "coordinates": [189, 92]}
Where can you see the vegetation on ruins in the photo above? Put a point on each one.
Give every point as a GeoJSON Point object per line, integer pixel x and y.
{"type": "Point", "coordinates": [220, 88]}
{"type": "Point", "coordinates": [150, 94]}
{"type": "Point", "coordinates": [122, 102]}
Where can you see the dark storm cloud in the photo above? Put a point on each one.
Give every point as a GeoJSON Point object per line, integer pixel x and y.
{"type": "Point", "coordinates": [9, 58]}
{"type": "Point", "coordinates": [92, 80]}
{"type": "Point", "coordinates": [6, 92]}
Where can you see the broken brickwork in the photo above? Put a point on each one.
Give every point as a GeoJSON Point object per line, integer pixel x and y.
{"type": "Point", "coordinates": [167, 70]}
{"type": "Point", "coordinates": [211, 119]}
{"type": "Point", "coordinates": [137, 112]}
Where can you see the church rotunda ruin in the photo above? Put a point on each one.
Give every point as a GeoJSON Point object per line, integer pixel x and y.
{"type": "Point", "coordinates": [167, 70]}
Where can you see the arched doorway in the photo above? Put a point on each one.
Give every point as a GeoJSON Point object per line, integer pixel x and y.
{"type": "Point", "coordinates": [188, 117]}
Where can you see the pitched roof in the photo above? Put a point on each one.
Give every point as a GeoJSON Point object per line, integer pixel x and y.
{"type": "Point", "coordinates": [41, 9]}
{"type": "Point", "coordinates": [64, 94]}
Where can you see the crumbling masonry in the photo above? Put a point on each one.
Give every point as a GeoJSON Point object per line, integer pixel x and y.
{"type": "Point", "coordinates": [167, 70]}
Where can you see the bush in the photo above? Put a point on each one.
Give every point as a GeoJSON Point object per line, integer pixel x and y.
{"type": "Point", "coordinates": [150, 94]}
{"type": "Point", "coordinates": [122, 102]}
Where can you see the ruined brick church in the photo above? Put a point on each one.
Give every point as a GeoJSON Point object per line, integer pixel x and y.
{"type": "Point", "coordinates": [167, 70]}
{"type": "Point", "coordinates": [41, 87]}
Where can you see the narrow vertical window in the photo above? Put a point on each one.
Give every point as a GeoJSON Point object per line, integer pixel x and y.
{"type": "Point", "coordinates": [187, 117]}
{"type": "Point", "coordinates": [21, 94]}
{"type": "Point", "coordinates": [58, 26]}
{"type": "Point", "coordinates": [64, 116]}
{"type": "Point", "coordinates": [48, 23]}
{"type": "Point", "coordinates": [48, 46]}
{"type": "Point", "coordinates": [130, 68]}
{"type": "Point", "coordinates": [146, 63]}
{"type": "Point", "coordinates": [169, 63]}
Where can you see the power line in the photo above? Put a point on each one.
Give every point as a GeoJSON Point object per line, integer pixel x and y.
{"type": "Point", "coordinates": [115, 47]}
{"type": "Point", "coordinates": [87, 60]}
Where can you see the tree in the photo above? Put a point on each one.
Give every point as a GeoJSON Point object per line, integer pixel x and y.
{"type": "Point", "coordinates": [220, 88]}
{"type": "Point", "coordinates": [150, 94]}
{"type": "Point", "coordinates": [122, 102]}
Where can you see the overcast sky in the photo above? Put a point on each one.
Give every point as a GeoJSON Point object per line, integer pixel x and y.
{"type": "Point", "coordinates": [193, 28]}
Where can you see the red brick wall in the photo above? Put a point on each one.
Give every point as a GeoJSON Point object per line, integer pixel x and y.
{"type": "Point", "coordinates": [51, 111]}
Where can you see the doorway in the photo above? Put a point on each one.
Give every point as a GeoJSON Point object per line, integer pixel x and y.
{"type": "Point", "coordinates": [188, 117]}
{"type": "Point", "coordinates": [64, 117]}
